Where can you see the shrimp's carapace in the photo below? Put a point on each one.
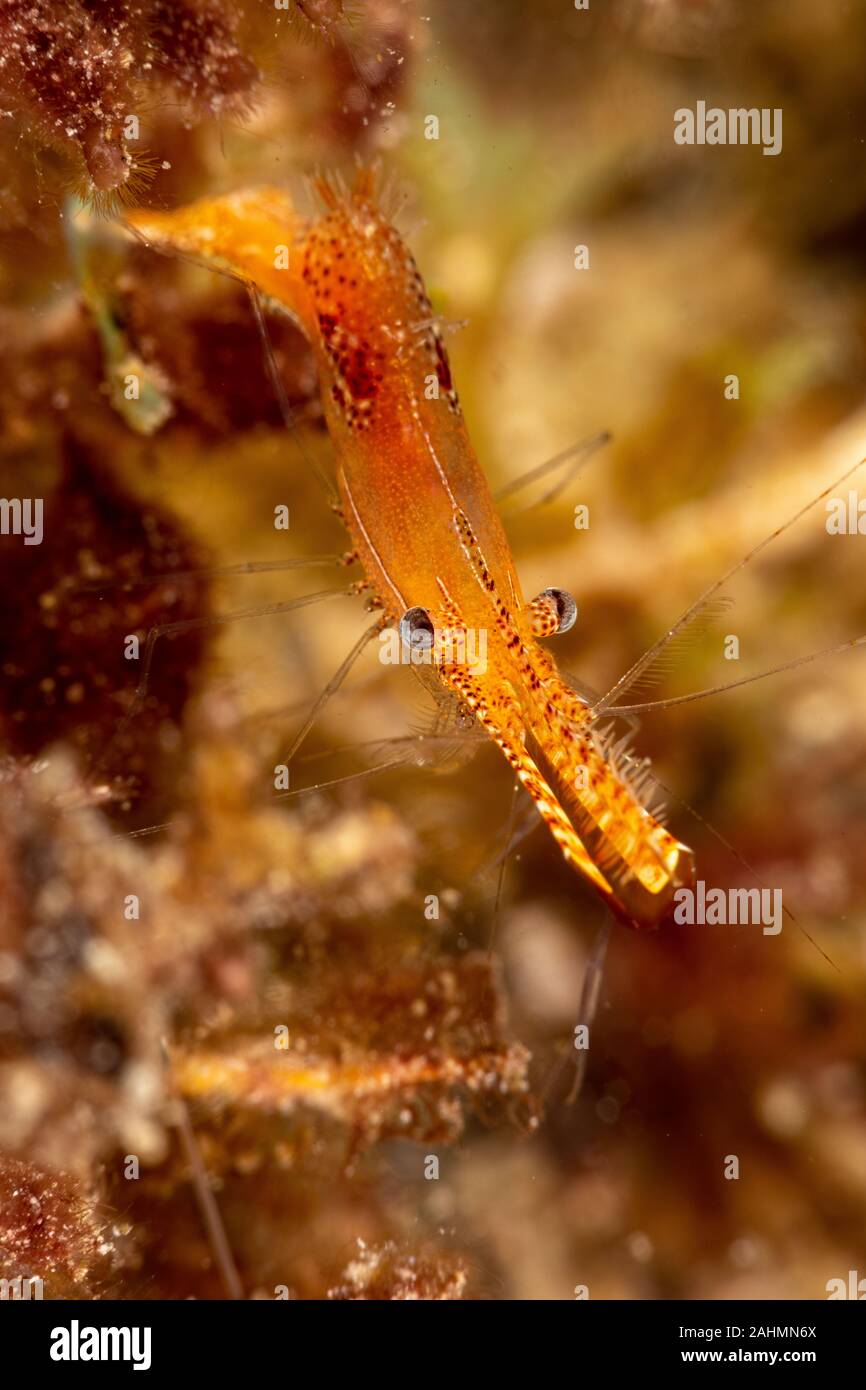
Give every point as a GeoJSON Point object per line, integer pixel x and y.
{"type": "Point", "coordinates": [420, 512]}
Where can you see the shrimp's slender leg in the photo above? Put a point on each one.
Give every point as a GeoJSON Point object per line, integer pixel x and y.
{"type": "Point", "coordinates": [590, 993]}
{"type": "Point", "coordinates": [333, 684]}
{"type": "Point", "coordinates": [283, 400]}
{"type": "Point", "coordinates": [500, 881]}
{"type": "Point", "coordinates": [339, 781]}
{"type": "Point", "coordinates": [409, 742]}
{"type": "Point", "coordinates": [401, 759]}
{"type": "Point", "coordinates": [571, 456]}
{"type": "Point", "coordinates": [405, 758]}
{"type": "Point", "coordinates": [98, 586]}
{"type": "Point", "coordinates": [285, 796]}
{"type": "Point", "coordinates": [524, 827]}
{"type": "Point", "coordinates": [191, 624]}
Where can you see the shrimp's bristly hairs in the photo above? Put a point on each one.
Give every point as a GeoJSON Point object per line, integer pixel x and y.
{"type": "Point", "coordinates": [370, 187]}
{"type": "Point", "coordinates": [330, 188]}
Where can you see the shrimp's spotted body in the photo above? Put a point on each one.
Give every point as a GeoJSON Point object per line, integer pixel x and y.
{"type": "Point", "coordinates": [422, 517]}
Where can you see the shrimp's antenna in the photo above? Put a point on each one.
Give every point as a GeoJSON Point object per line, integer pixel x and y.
{"type": "Point", "coordinates": [743, 680]}
{"type": "Point", "coordinates": [717, 835]}
{"type": "Point", "coordinates": [627, 681]}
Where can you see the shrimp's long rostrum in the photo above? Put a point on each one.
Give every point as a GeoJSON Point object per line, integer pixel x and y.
{"type": "Point", "coordinates": [422, 517]}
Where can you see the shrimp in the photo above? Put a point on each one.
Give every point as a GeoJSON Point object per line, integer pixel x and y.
{"type": "Point", "coordinates": [423, 521]}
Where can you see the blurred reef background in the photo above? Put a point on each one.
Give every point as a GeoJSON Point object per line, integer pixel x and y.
{"type": "Point", "coordinates": [288, 1021]}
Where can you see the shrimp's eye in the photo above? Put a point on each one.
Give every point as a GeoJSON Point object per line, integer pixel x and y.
{"type": "Point", "coordinates": [553, 611]}
{"type": "Point", "coordinates": [416, 629]}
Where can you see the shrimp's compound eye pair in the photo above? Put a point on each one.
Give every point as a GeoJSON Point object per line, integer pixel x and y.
{"type": "Point", "coordinates": [416, 629]}
{"type": "Point", "coordinates": [553, 611]}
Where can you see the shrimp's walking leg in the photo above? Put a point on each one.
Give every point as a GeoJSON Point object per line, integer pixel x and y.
{"type": "Point", "coordinates": [283, 399]}
{"type": "Point", "coordinates": [404, 758]}
{"type": "Point", "coordinates": [500, 881]}
{"type": "Point", "coordinates": [589, 997]}
{"type": "Point", "coordinates": [98, 586]}
{"type": "Point", "coordinates": [190, 624]}
{"type": "Point", "coordinates": [333, 684]}
{"type": "Point", "coordinates": [524, 826]}
{"type": "Point", "coordinates": [572, 456]}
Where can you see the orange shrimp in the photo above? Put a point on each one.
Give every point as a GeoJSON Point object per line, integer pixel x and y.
{"type": "Point", "coordinates": [422, 518]}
